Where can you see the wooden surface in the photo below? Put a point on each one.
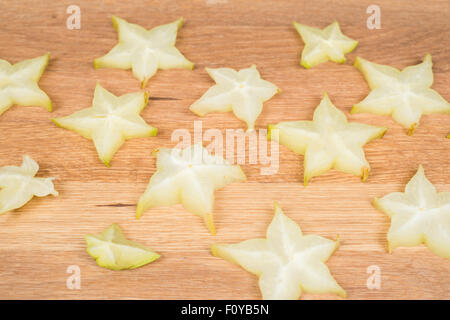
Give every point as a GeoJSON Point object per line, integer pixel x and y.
{"type": "Point", "coordinates": [39, 241]}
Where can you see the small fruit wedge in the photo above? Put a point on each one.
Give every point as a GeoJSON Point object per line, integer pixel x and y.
{"type": "Point", "coordinates": [110, 121]}
{"type": "Point", "coordinates": [243, 92]}
{"type": "Point", "coordinates": [112, 250]}
{"type": "Point", "coordinates": [405, 95]}
{"type": "Point", "coordinates": [188, 176]}
{"type": "Point", "coordinates": [144, 51]}
{"type": "Point", "coordinates": [323, 45]}
{"type": "Point", "coordinates": [18, 84]}
{"type": "Point", "coordinates": [18, 185]}
{"type": "Point", "coordinates": [418, 215]}
{"type": "Point", "coordinates": [286, 261]}
{"type": "Point", "coordinates": [329, 141]}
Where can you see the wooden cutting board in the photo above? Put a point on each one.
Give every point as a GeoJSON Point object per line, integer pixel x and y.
{"type": "Point", "coordinates": [41, 240]}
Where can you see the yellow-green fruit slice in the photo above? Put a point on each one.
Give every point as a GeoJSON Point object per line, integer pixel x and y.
{"type": "Point", "coordinates": [243, 92]}
{"type": "Point", "coordinates": [144, 51]}
{"type": "Point", "coordinates": [405, 95]}
{"type": "Point", "coordinates": [325, 44]}
{"type": "Point", "coordinates": [18, 84]}
{"type": "Point", "coordinates": [418, 215]}
{"type": "Point", "coordinates": [110, 121]}
{"type": "Point", "coordinates": [18, 185]}
{"type": "Point", "coordinates": [329, 141]}
{"type": "Point", "coordinates": [188, 176]}
{"type": "Point", "coordinates": [286, 261]}
{"type": "Point", "coordinates": [112, 250]}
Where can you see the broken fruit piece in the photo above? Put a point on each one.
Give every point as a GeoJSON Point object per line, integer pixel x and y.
{"type": "Point", "coordinates": [18, 84]}
{"type": "Point", "coordinates": [286, 262]}
{"type": "Point", "coordinates": [112, 250]}
{"type": "Point", "coordinates": [110, 121]}
{"type": "Point", "coordinates": [18, 185]}
{"type": "Point", "coordinates": [324, 45]}
{"type": "Point", "coordinates": [144, 51]}
{"type": "Point", "coordinates": [405, 95]}
{"type": "Point", "coordinates": [242, 92]}
{"type": "Point", "coordinates": [329, 141]}
{"type": "Point", "coordinates": [188, 176]}
{"type": "Point", "coordinates": [418, 215]}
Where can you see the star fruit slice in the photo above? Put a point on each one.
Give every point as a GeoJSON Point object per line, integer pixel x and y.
{"type": "Point", "coordinates": [188, 176]}
{"type": "Point", "coordinates": [418, 215]}
{"type": "Point", "coordinates": [329, 141]}
{"type": "Point", "coordinates": [144, 51]}
{"type": "Point", "coordinates": [323, 45]}
{"type": "Point", "coordinates": [243, 92]}
{"type": "Point", "coordinates": [110, 121]}
{"type": "Point", "coordinates": [405, 95]}
{"type": "Point", "coordinates": [18, 185]}
{"type": "Point", "coordinates": [112, 250]}
{"type": "Point", "coordinates": [18, 84]}
{"type": "Point", "coordinates": [286, 261]}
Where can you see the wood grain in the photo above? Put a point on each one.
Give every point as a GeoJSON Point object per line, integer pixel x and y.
{"type": "Point", "coordinates": [39, 241]}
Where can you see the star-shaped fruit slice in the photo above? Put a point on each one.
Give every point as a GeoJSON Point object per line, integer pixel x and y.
{"type": "Point", "coordinates": [286, 261]}
{"type": "Point", "coordinates": [405, 95]}
{"type": "Point", "coordinates": [18, 84]}
{"type": "Point", "coordinates": [329, 141]}
{"type": "Point", "coordinates": [110, 121]}
{"type": "Point", "coordinates": [18, 185]}
{"type": "Point", "coordinates": [144, 51]}
{"type": "Point", "coordinates": [188, 176]}
{"type": "Point", "coordinates": [242, 92]}
{"type": "Point", "coordinates": [323, 45]}
{"type": "Point", "coordinates": [418, 215]}
{"type": "Point", "coordinates": [112, 250]}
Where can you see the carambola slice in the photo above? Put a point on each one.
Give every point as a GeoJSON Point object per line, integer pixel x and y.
{"type": "Point", "coordinates": [418, 215]}
{"type": "Point", "coordinates": [144, 51]}
{"type": "Point", "coordinates": [286, 262]}
{"type": "Point", "coordinates": [19, 84]}
{"type": "Point", "coordinates": [329, 141]}
{"type": "Point", "coordinates": [188, 176]}
{"type": "Point", "coordinates": [243, 92]}
{"type": "Point", "coordinates": [110, 121]}
{"type": "Point", "coordinates": [112, 250]}
{"type": "Point", "coordinates": [18, 185]}
{"type": "Point", "coordinates": [405, 95]}
{"type": "Point", "coordinates": [325, 44]}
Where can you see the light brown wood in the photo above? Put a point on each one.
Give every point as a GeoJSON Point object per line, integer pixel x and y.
{"type": "Point", "coordinates": [39, 241]}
